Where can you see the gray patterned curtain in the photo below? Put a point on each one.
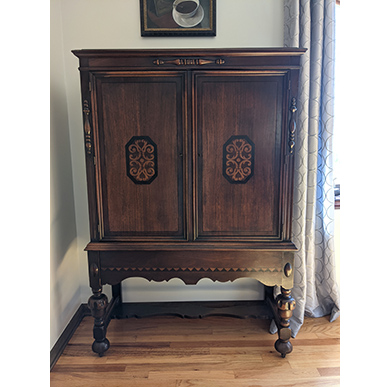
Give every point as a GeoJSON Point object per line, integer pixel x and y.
{"type": "Point", "coordinates": [311, 24]}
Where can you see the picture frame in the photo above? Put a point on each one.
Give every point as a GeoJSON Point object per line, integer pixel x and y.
{"type": "Point", "coordinates": [178, 17]}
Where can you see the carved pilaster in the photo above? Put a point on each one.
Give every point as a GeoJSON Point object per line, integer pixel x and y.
{"type": "Point", "coordinates": [292, 125]}
{"type": "Point", "coordinates": [87, 127]}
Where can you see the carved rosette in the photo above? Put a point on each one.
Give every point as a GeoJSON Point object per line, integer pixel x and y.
{"type": "Point", "coordinates": [238, 159]}
{"type": "Point", "coordinates": [141, 159]}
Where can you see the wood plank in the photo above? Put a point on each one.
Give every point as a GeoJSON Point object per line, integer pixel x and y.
{"type": "Point", "coordinates": [67, 368]}
{"type": "Point", "coordinates": [269, 374]}
{"type": "Point", "coordinates": [282, 382]}
{"type": "Point", "coordinates": [109, 379]}
{"type": "Point", "coordinates": [330, 371]}
{"type": "Point", "coordinates": [223, 342]}
{"type": "Point", "coordinates": [199, 374]}
{"type": "Point", "coordinates": [324, 359]}
{"type": "Point", "coordinates": [161, 352]}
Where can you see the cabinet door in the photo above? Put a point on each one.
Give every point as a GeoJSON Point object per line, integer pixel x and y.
{"type": "Point", "coordinates": [141, 155]}
{"type": "Point", "coordinates": [239, 155]}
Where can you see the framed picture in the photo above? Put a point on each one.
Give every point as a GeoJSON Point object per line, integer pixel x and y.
{"type": "Point", "coordinates": [178, 18]}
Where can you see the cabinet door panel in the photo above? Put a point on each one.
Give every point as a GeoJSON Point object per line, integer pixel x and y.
{"type": "Point", "coordinates": [141, 155]}
{"type": "Point", "coordinates": [239, 155]}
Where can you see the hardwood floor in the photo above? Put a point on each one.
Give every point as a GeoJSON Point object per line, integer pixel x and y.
{"type": "Point", "coordinates": [212, 352]}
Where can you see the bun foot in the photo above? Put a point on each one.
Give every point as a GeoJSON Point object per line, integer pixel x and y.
{"type": "Point", "coordinates": [100, 347]}
{"type": "Point", "coordinates": [283, 347]}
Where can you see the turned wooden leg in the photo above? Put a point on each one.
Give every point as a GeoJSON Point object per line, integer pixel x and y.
{"type": "Point", "coordinates": [286, 305]}
{"type": "Point", "coordinates": [117, 292]}
{"type": "Point", "coordinates": [98, 304]}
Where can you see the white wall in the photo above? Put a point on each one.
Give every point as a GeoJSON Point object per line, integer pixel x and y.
{"type": "Point", "coordinates": [80, 24]}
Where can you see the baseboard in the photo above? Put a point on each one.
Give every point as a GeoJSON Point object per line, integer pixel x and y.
{"type": "Point", "coordinates": [194, 309]}
{"type": "Point", "coordinates": [67, 334]}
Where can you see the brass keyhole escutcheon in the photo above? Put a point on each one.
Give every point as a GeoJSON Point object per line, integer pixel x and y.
{"type": "Point", "coordinates": [288, 269]}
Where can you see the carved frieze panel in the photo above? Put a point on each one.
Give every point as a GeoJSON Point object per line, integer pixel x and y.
{"type": "Point", "coordinates": [238, 159]}
{"type": "Point", "coordinates": [141, 159]}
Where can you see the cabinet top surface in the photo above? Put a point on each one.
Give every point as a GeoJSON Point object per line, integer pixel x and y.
{"type": "Point", "coordinates": [269, 51]}
{"type": "Point", "coordinates": [228, 58]}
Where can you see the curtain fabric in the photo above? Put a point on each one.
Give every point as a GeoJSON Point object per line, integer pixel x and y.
{"type": "Point", "coordinates": [311, 25]}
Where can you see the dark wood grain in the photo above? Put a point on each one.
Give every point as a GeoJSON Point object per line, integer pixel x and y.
{"type": "Point", "coordinates": [287, 58]}
{"type": "Point", "coordinates": [231, 104]}
{"type": "Point", "coordinates": [141, 105]}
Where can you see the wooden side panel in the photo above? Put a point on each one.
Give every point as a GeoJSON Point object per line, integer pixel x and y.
{"type": "Point", "coordinates": [141, 172]}
{"type": "Point", "coordinates": [239, 156]}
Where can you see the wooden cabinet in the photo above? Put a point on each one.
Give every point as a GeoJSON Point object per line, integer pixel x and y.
{"type": "Point", "coordinates": [189, 157]}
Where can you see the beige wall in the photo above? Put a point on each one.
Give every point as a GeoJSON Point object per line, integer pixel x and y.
{"type": "Point", "coordinates": [64, 267]}
{"type": "Point", "coordinates": [77, 24]}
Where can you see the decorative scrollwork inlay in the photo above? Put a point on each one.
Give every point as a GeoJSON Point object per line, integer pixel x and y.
{"type": "Point", "coordinates": [87, 127]}
{"type": "Point", "coordinates": [238, 159]}
{"type": "Point", "coordinates": [188, 62]}
{"type": "Point", "coordinates": [141, 159]}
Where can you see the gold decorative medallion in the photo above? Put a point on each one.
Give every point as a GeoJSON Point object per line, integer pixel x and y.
{"type": "Point", "coordinates": [141, 159]}
{"type": "Point", "coordinates": [238, 159]}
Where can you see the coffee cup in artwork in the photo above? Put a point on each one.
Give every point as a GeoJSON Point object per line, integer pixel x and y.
{"type": "Point", "coordinates": [186, 8]}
